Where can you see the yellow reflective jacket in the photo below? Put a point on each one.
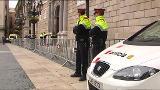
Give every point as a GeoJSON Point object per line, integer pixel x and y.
{"type": "Point", "coordinates": [101, 23]}
{"type": "Point", "coordinates": [44, 34]}
{"type": "Point", "coordinates": [41, 35]}
{"type": "Point", "coordinates": [84, 20]}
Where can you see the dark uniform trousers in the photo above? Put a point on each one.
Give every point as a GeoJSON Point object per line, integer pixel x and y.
{"type": "Point", "coordinates": [44, 38]}
{"type": "Point", "coordinates": [82, 38]}
{"type": "Point", "coordinates": [82, 57]}
{"type": "Point", "coordinates": [98, 40]}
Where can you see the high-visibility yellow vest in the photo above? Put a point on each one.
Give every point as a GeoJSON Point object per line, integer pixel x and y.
{"type": "Point", "coordinates": [84, 20]}
{"type": "Point", "coordinates": [41, 35]}
{"type": "Point", "coordinates": [101, 23]}
{"type": "Point", "coordinates": [44, 34]}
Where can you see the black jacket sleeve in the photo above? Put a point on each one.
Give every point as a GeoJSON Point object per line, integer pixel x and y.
{"type": "Point", "coordinates": [75, 29]}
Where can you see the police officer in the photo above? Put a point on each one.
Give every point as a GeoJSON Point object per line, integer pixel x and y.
{"type": "Point", "coordinates": [41, 39]}
{"type": "Point", "coordinates": [82, 37]}
{"type": "Point", "coordinates": [99, 32]}
{"type": "Point", "coordinates": [44, 37]}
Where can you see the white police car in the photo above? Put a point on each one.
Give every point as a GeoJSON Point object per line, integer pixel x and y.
{"type": "Point", "coordinates": [129, 65]}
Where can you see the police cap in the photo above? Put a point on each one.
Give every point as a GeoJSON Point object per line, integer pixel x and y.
{"type": "Point", "coordinates": [100, 11]}
{"type": "Point", "coordinates": [81, 11]}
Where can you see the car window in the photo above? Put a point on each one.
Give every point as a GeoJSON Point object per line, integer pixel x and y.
{"type": "Point", "coordinates": [13, 37]}
{"type": "Point", "coordinates": [150, 34]}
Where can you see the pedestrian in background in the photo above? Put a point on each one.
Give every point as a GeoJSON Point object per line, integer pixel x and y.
{"type": "Point", "coordinates": [99, 32]}
{"type": "Point", "coordinates": [3, 40]}
{"type": "Point", "coordinates": [81, 30]}
{"type": "Point", "coordinates": [44, 37]}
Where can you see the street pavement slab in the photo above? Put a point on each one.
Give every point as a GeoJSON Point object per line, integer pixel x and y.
{"type": "Point", "coordinates": [12, 76]}
{"type": "Point", "coordinates": [44, 73]}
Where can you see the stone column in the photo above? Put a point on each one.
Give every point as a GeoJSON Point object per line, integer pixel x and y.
{"type": "Point", "coordinates": [65, 9]}
{"type": "Point", "coordinates": [61, 18]}
{"type": "Point", "coordinates": [49, 18]}
{"type": "Point", "coordinates": [52, 17]}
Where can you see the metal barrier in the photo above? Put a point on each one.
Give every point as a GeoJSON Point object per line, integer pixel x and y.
{"type": "Point", "coordinates": [55, 48]}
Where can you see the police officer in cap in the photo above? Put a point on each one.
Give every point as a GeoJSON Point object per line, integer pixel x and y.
{"type": "Point", "coordinates": [81, 30]}
{"type": "Point", "coordinates": [41, 39]}
{"type": "Point", "coordinates": [99, 32]}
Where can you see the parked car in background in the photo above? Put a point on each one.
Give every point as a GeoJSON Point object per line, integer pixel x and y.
{"type": "Point", "coordinates": [129, 65]}
{"type": "Point", "coordinates": [13, 36]}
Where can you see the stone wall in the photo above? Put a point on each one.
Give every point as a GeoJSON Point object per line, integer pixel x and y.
{"type": "Point", "coordinates": [42, 25]}
{"type": "Point", "coordinates": [125, 17]}
{"type": "Point", "coordinates": [72, 17]}
{"type": "Point", "coordinates": [2, 17]}
{"type": "Point", "coordinates": [1, 35]}
{"type": "Point", "coordinates": [2, 14]}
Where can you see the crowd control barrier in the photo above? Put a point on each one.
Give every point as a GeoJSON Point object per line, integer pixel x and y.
{"type": "Point", "coordinates": [62, 49]}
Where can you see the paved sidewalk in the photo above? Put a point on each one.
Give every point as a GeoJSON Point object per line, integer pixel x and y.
{"type": "Point", "coordinates": [12, 76]}
{"type": "Point", "coordinates": [44, 73]}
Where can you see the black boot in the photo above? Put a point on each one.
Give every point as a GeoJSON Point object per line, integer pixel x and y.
{"type": "Point", "coordinates": [82, 78]}
{"type": "Point", "coordinates": [76, 75]}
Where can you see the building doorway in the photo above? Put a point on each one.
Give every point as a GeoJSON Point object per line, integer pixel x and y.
{"type": "Point", "coordinates": [57, 20]}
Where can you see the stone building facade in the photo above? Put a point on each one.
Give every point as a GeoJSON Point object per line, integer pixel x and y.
{"type": "Point", "coordinates": [19, 19]}
{"type": "Point", "coordinates": [4, 5]}
{"type": "Point", "coordinates": [53, 18]}
{"type": "Point", "coordinates": [125, 17]}
{"type": "Point", "coordinates": [42, 25]}
{"type": "Point", "coordinates": [12, 18]}
{"type": "Point", "coordinates": [2, 21]}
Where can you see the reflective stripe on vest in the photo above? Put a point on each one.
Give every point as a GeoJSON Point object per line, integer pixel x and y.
{"type": "Point", "coordinates": [84, 20]}
{"type": "Point", "coordinates": [101, 23]}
